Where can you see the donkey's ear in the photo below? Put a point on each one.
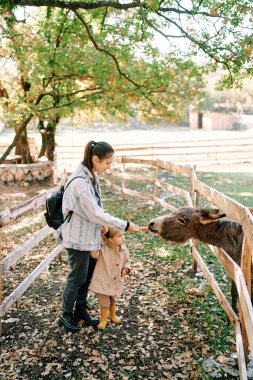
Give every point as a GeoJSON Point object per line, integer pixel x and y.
{"type": "Point", "coordinates": [210, 215]}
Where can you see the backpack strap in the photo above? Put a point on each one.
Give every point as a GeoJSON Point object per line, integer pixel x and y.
{"type": "Point", "coordinates": [73, 180]}
{"type": "Point", "coordinates": [96, 191]}
{"type": "Point", "coordinates": [69, 215]}
{"type": "Point", "coordinates": [71, 212]}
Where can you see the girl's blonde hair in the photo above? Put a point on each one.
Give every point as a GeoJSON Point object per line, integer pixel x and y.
{"type": "Point", "coordinates": [111, 233]}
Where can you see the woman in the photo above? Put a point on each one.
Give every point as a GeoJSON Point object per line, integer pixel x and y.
{"type": "Point", "coordinates": [81, 231]}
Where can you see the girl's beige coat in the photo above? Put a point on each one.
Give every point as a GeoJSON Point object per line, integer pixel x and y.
{"type": "Point", "coordinates": [107, 277]}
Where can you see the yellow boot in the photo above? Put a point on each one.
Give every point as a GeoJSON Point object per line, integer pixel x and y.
{"type": "Point", "coordinates": [103, 321]}
{"type": "Point", "coordinates": [113, 316]}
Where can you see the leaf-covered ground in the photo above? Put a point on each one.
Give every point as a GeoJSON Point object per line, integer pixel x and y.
{"type": "Point", "coordinates": [171, 322]}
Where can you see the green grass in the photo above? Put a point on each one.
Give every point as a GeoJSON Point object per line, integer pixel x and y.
{"type": "Point", "coordinates": [238, 186]}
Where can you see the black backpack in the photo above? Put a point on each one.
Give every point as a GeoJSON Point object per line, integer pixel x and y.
{"type": "Point", "coordinates": [53, 215]}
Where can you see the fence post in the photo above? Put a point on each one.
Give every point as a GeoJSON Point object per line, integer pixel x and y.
{"type": "Point", "coordinates": [155, 185]}
{"type": "Point", "coordinates": [195, 195]}
{"type": "Point", "coordinates": [1, 294]}
{"type": "Point", "coordinates": [55, 171]}
{"type": "Point", "coordinates": [246, 271]}
{"type": "Point", "coordinates": [245, 264]}
{"type": "Point", "coordinates": [113, 176]}
{"type": "Point", "coordinates": [123, 182]}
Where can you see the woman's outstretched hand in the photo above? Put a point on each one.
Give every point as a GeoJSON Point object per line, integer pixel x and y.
{"type": "Point", "coordinates": [133, 228]}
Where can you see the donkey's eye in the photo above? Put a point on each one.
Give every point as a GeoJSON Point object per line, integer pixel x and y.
{"type": "Point", "coordinates": [181, 220]}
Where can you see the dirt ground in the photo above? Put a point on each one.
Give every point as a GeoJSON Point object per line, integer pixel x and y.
{"type": "Point", "coordinates": [163, 334]}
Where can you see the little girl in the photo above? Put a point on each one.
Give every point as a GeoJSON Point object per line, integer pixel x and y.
{"type": "Point", "coordinates": [108, 276]}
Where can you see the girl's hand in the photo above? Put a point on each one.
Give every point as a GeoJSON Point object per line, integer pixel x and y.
{"type": "Point", "coordinates": [95, 254]}
{"type": "Point", "coordinates": [133, 228]}
{"type": "Point", "coordinates": [104, 230]}
{"type": "Point", "coordinates": [125, 272]}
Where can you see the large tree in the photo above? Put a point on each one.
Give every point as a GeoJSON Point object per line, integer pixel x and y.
{"type": "Point", "coordinates": [221, 30]}
{"type": "Point", "coordinates": [65, 61]}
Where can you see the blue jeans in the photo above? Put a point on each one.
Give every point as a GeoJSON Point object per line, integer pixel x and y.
{"type": "Point", "coordinates": [78, 281]}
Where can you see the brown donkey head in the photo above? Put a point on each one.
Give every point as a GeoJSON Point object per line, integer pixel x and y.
{"type": "Point", "coordinates": [185, 223]}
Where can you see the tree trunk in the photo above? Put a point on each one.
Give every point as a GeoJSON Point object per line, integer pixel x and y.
{"type": "Point", "coordinates": [19, 131]}
{"type": "Point", "coordinates": [22, 147]}
{"type": "Point", "coordinates": [13, 144]}
{"type": "Point", "coordinates": [43, 134]}
{"type": "Point", "coordinates": [50, 137]}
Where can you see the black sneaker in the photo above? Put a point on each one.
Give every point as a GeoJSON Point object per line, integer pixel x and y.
{"type": "Point", "coordinates": [81, 314]}
{"type": "Point", "coordinates": [69, 323]}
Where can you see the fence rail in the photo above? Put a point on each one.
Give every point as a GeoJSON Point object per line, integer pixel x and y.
{"type": "Point", "coordinates": [201, 151]}
{"type": "Point", "coordinates": [177, 153]}
{"type": "Point", "coordinates": [13, 213]}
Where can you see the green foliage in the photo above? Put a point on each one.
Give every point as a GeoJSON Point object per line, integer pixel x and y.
{"type": "Point", "coordinates": [4, 4]}
{"type": "Point", "coordinates": [100, 64]}
{"type": "Point", "coordinates": [219, 31]}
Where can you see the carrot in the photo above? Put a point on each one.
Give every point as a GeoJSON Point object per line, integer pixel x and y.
{"type": "Point", "coordinates": [143, 228]}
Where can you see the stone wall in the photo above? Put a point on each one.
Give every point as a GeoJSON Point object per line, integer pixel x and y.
{"type": "Point", "coordinates": [25, 172]}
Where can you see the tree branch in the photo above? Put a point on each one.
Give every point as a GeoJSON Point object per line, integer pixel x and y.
{"type": "Point", "coordinates": [95, 91]}
{"type": "Point", "coordinates": [104, 17]}
{"type": "Point", "coordinates": [73, 5]}
{"type": "Point", "coordinates": [106, 52]}
{"type": "Point", "coordinates": [186, 12]}
{"type": "Point", "coordinates": [91, 91]}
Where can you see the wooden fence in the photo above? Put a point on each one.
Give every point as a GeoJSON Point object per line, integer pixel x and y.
{"type": "Point", "coordinates": [181, 152]}
{"type": "Point", "coordinates": [243, 325]}
{"type": "Point", "coordinates": [11, 214]}
{"type": "Point", "coordinates": [200, 151]}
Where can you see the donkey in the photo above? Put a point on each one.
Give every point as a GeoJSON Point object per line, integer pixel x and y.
{"type": "Point", "coordinates": [207, 225]}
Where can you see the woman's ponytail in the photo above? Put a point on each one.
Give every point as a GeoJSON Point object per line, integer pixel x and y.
{"type": "Point", "coordinates": [87, 159]}
{"type": "Point", "coordinates": [100, 149]}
